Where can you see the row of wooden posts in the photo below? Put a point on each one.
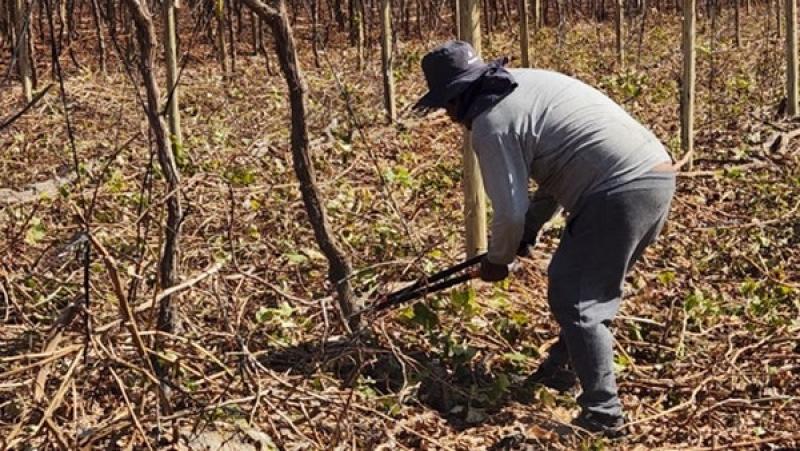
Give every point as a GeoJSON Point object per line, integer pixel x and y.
{"type": "Point", "coordinates": [468, 28]}
{"type": "Point", "coordinates": [468, 13]}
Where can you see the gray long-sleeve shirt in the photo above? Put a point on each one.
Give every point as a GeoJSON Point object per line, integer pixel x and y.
{"type": "Point", "coordinates": [565, 135]}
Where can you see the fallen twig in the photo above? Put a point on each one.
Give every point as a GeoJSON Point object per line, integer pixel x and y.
{"type": "Point", "coordinates": [11, 119]}
{"type": "Point", "coordinates": [58, 397]}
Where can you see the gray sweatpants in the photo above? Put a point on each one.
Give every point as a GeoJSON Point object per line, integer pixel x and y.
{"type": "Point", "coordinates": [600, 244]}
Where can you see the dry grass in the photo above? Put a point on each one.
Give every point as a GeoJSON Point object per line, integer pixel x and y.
{"type": "Point", "coordinates": [708, 336]}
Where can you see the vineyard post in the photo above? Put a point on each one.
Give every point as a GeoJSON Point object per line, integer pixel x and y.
{"type": "Point", "coordinates": [170, 56]}
{"type": "Point", "coordinates": [791, 57]}
{"type": "Point", "coordinates": [386, 60]}
{"type": "Point", "coordinates": [737, 20]}
{"type": "Point", "coordinates": [523, 33]}
{"type": "Point", "coordinates": [474, 196]}
{"type": "Point", "coordinates": [687, 86]}
{"type": "Point", "coordinates": [457, 16]}
{"type": "Point", "coordinates": [23, 60]}
{"type": "Point", "coordinates": [101, 45]}
{"type": "Point", "coordinates": [620, 37]}
{"type": "Point", "coordinates": [219, 12]}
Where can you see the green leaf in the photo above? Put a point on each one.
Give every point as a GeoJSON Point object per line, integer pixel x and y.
{"type": "Point", "coordinates": [424, 316]}
{"type": "Point", "coordinates": [499, 387]}
{"type": "Point", "coordinates": [391, 406]}
{"type": "Point", "coordinates": [181, 156]}
{"type": "Point", "coordinates": [733, 173]}
{"type": "Point", "coordinates": [666, 277]}
{"type": "Point", "coordinates": [465, 301]}
{"type": "Point", "coordinates": [518, 318]}
{"type": "Point", "coordinates": [515, 357]}
{"type": "Point", "coordinates": [621, 363]}
{"type": "Point", "coordinates": [636, 331]}
{"type": "Point", "coordinates": [463, 353]}
{"type": "Point", "coordinates": [36, 231]}
{"type": "Point", "coordinates": [545, 397]}
{"type": "Point", "coordinates": [191, 385]}
{"type": "Point", "coordinates": [253, 204]}
{"type": "Point", "coordinates": [314, 254]}
{"type": "Point", "coordinates": [399, 175]}
{"type": "Point", "coordinates": [499, 300]}
{"type": "Point", "coordinates": [253, 232]}
{"type": "Point", "coordinates": [263, 314]}
{"type": "Point", "coordinates": [749, 287]}
{"type": "Point", "coordinates": [281, 314]}
{"type": "Point", "coordinates": [365, 386]}
{"type": "Point", "coordinates": [116, 183]}
{"type": "Point", "coordinates": [242, 176]}
{"type": "Point", "coordinates": [296, 259]}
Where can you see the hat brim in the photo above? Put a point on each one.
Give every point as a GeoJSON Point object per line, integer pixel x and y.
{"type": "Point", "coordinates": [439, 98]}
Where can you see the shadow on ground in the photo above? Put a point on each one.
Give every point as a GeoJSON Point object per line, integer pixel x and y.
{"type": "Point", "coordinates": [463, 395]}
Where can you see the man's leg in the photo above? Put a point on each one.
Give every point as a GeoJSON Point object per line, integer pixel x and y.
{"type": "Point", "coordinates": [558, 354]}
{"type": "Point", "coordinates": [555, 371]}
{"type": "Point", "coordinates": [586, 277]}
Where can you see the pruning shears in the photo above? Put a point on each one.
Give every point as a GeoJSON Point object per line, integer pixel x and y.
{"type": "Point", "coordinates": [446, 278]}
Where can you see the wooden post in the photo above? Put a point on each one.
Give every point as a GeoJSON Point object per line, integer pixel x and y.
{"type": "Point", "coordinates": [231, 37]}
{"type": "Point", "coordinates": [254, 21]}
{"type": "Point", "coordinates": [523, 33]}
{"type": "Point", "coordinates": [487, 21]}
{"type": "Point", "coordinates": [360, 38]}
{"type": "Point", "coordinates": [357, 30]}
{"type": "Point", "coordinates": [737, 22]}
{"type": "Point", "coordinates": [457, 20]}
{"type": "Point", "coordinates": [101, 45]}
{"type": "Point", "coordinates": [170, 56]}
{"type": "Point", "coordinates": [620, 33]}
{"type": "Point", "coordinates": [23, 57]}
{"type": "Point", "coordinates": [219, 10]}
{"type": "Point", "coordinates": [6, 22]}
{"type": "Point", "coordinates": [387, 59]}
{"type": "Point", "coordinates": [474, 196]}
{"type": "Point", "coordinates": [315, 38]}
{"type": "Point", "coordinates": [791, 57]}
{"type": "Point", "coordinates": [687, 86]}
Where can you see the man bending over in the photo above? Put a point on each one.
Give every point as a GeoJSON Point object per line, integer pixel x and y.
{"type": "Point", "coordinates": [586, 154]}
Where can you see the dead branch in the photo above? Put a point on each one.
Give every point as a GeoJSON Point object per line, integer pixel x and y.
{"type": "Point", "coordinates": [339, 268]}
{"type": "Point", "coordinates": [124, 308]}
{"type": "Point", "coordinates": [11, 119]}
{"type": "Point", "coordinates": [146, 36]}
{"type": "Point", "coordinates": [56, 332]}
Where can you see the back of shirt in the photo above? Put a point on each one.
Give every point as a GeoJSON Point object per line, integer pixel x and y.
{"type": "Point", "coordinates": [569, 137]}
{"type": "Point", "coordinates": [574, 140]}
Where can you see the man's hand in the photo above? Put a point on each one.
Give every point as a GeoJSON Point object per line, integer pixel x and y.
{"type": "Point", "coordinates": [491, 272]}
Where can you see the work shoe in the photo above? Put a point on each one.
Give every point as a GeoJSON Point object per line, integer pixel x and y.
{"type": "Point", "coordinates": [610, 426]}
{"type": "Point", "coordinates": [552, 375]}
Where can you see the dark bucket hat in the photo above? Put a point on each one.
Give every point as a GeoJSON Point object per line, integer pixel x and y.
{"type": "Point", "coordinates": [449, 69]}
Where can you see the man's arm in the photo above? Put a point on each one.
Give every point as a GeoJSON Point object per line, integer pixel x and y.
{"type": "Point", "coordinates": [505, 177]}
{"type": "Point", "coordinates": [542, 208]}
